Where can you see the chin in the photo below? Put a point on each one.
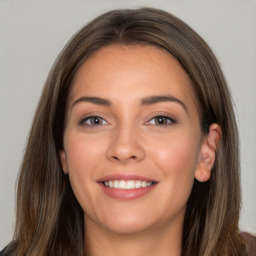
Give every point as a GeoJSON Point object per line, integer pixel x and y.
{"type": "Point", "coordinates": [125, 222]}
{"type": "Point", "coordinates": [128, 227]}
{"type": "Point", "coordinates": [131, 223]}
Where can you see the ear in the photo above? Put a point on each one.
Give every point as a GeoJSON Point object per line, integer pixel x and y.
{"type": "Point", "coordinates": [207, 154]}
{"type": "Point", "coordinates": [63, 160]}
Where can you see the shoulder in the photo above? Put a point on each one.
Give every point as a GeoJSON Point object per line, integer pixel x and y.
{"type": "Point", "coordinates": [251, 242]}
{"type": "Point", "coordinates": [8, 250]}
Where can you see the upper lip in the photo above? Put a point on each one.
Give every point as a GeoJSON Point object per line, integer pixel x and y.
{"type": "Point", "coordinates": [119, 176]}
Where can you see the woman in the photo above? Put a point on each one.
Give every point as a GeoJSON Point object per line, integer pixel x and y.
{"type": "Point", "coordinates": [131, 151]}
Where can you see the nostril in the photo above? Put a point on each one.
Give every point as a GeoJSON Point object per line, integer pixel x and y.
{"type": "Point", "coordinates": [120, 159]}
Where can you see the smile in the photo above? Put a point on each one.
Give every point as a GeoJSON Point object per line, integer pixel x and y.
{"type": "Point", "coordinates": [128, 184]}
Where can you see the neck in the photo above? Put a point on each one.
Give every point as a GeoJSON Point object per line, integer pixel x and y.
{"type": "Point", "coordinates": [164, 241]}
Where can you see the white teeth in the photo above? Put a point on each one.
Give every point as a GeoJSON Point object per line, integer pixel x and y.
{"type": "Point", "coordinates": [122, 184]}
{"type": "Point", "coordinates": [127, 184]}
{"type": "Point", "coordinates": [116, 184]}
{"type": "Point", "coordinates": [138, 184]}
{"type": "Point", "coordinates": [130, 184]}
{"type": "Point", "coordinates": [110, 184]}
{"type": "Point", "coordinates": [144, 184]}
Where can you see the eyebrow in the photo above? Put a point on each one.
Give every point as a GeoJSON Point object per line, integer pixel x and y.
{"type": "Point", "coordinates": [144, 102]}
{"type": "Point", "coordinates": [162, 98]}
{"type": "Point", "coordinates": [94, 100]}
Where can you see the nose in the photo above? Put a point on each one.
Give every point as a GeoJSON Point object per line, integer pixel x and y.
{"type": "Point", "coordinates": [125, 146]}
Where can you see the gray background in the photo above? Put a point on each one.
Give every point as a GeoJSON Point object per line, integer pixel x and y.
{"type": "Point", "coordinates": [32, 33]}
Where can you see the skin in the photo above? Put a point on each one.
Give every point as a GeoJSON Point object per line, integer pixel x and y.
{"type": "Point", "coordinates": [129, 139]}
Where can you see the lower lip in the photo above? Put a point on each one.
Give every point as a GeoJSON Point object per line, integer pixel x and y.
{"type": "Point", "coordinates": [126, 194]}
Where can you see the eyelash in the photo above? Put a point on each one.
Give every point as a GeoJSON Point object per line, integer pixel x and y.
{"type": "Point", "coordinates": [88, 118]}
{"type": "Point", "coordinates": [166, 121]}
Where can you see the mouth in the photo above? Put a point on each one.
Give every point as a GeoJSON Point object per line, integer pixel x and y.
{"type": "Point", "coordinates": [128, 184]}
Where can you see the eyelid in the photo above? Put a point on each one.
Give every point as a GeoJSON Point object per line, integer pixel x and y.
{"type": "Point", "coordinates": [83, 120]}
{"type": "Point", "coordinates": [171, 119]}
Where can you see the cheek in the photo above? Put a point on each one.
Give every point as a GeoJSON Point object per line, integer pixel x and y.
{"type": "Point", "coordinates": [177, 160]}
{"type": "Point", "coordinates": [177, 155]}
{"type": "Point", "coordinates": [83, 158]}
{"type": "Point", "coordinates": [82, 153]}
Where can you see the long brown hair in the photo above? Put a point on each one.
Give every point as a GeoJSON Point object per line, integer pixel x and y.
{"type": "Point", "coordinates": [49, 219]}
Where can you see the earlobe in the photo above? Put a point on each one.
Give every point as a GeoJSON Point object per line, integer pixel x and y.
{"type": "Point", "coordinates": [63, 160]}
{"type": "Point", "coordinates": [207, 153]}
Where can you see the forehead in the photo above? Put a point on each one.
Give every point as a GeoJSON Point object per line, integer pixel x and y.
{"type": "Point", "coordinates": [136, 69]}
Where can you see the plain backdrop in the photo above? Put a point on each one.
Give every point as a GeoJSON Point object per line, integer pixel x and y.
{"type": "Point", "coordinates": [32, 33]}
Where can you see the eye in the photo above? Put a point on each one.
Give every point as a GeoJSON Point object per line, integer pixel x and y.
{"type": "Point", "coordinates": [93, 121]}
{"type": "Point", "coordinates": [161, 121]}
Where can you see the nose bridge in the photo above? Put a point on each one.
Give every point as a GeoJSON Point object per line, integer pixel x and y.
{"type": "Point", "coordinates": [125, 143]}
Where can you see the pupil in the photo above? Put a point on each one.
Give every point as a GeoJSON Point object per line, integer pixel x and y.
{"type": "Point", "coordinates": [160, 120]}
{"type": "Point", "coordinates": [96, 120]}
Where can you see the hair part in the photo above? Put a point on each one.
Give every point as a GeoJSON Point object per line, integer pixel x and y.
{"type": "Point", "coordinates": [49, 219]}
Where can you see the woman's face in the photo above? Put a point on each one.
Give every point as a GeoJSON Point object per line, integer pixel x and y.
{"type": "Point", "coordinates": [132, 139]}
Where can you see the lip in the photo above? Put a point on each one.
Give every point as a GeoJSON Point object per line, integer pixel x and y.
{"type": "Point", "coordinates": [125, 194]}
{"type": "Point", "coordinates": [125, 177]}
